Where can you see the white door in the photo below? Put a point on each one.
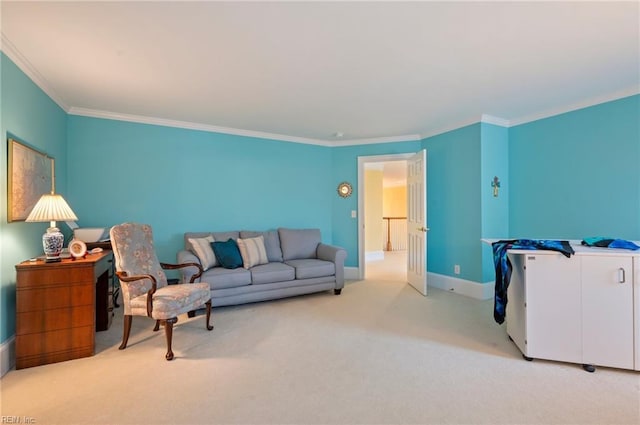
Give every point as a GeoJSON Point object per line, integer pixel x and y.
{"type": "Point", "coordinates": [417, 221]}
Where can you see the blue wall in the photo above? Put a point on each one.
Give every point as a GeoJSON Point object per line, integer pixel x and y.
{"type": "Point", "coordinates": [494, 209]}
{"type": "Point", "coordinates": [29, 116]}
{"type": "Point", "coordinates": [181, 180]}
{"type": "Point", "coordinates": [454, 202]}
{"type": "Point", "coordinates": [576, 175]}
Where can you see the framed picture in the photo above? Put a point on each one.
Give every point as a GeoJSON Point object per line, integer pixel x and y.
{"type": "Point", "coordinates": [29, 176]}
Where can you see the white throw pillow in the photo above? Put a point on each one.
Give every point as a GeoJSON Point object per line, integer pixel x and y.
{"type": "Point", "coordinates": [252, 251]}
{"type": "Point", "coordinates": [202, 248]}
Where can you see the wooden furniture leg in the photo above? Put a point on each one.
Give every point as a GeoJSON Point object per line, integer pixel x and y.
{"type": "Point", "coordinates": [209, 326]}
{"type": "Point", "coordinates": [127, 330]}
{"type": "Point", "coordinates": [168, 330]}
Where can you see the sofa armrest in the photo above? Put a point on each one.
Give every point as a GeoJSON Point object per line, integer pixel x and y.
{"type": "Point", "coordinates": [336, 255]}
{"type": "Point", "coordinates": [187, 273]}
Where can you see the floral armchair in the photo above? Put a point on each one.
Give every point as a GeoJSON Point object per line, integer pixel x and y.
{"type": "Point", "coordinates": [145, 291]}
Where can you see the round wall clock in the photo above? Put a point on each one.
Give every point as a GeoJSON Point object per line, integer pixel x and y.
{"type": "Point", "coordinates": [345, 190]}
{"type": "Point", "coordinates": [77, 248]}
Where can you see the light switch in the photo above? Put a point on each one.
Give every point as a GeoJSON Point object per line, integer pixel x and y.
{"type": "Point", "coordinates": [354, 214]}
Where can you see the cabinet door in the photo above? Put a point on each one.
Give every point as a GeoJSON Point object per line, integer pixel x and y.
{"type": "Point", "coordinates": [553, 311]}
{"type": "Point", "coordinates": [636, 310]}
{"type": "Point", "coordinates": [607, 305]}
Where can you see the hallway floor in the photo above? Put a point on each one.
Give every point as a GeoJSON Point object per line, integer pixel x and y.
{"type": "Point", "coordinates": [392, 268]}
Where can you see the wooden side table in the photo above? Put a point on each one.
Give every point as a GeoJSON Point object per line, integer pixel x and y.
{"type": "Point", "coordinates": [59, 307]}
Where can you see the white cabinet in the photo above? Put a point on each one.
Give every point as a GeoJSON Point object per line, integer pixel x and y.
{"type": "Point", "coordinates": [544, 306]}
{"type": "Point", "coordinates": [607, 311]}
{"type": "Point", "coordinates": [578, 309]}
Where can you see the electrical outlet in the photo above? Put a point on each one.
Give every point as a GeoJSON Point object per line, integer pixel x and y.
{"type": "Point", "coordinates": [456, 269]}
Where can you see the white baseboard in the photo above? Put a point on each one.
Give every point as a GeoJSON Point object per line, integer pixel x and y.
{"type": "Point", "coordinates": [352, 273]}
{"type": "Point", "coordinates": [7, 355]}
{"type": "Point", "coordinates": [374, 255]}
{"type": "Point", "coordinates": [481, 291]}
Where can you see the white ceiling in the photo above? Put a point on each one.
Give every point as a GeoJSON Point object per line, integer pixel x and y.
{"type": "Point", "coordinates": [306, 71]}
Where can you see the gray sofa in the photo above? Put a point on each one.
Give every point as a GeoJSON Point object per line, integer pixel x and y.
{"type": "Point", "coordinates": [297, 263]}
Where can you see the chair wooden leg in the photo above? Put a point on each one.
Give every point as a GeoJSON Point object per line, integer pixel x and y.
{"type": "Point", "coordinates": [157, 326]}
{"type": "Point", "coordinates": [127, 330]}
{"type": "Point", "coordinates": [209, 326]}
{"type": "Point", "coordinates": [168, 330]}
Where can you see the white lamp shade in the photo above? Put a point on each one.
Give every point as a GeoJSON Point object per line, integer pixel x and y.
{"type": "Point", "coordinates": [51, 207]}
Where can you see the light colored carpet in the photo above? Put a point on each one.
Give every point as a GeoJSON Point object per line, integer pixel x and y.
{"type": "Point", "coordinates": [393, 267]}
{"type": "Point", "coordinates": [380, 353]}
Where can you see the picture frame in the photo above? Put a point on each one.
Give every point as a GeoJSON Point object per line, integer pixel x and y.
{"type": "Point", "coordinates": [30, 174]}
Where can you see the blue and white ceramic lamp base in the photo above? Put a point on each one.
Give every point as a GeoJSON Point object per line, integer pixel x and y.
{"type": "Point", "coordinates": [52, 242]}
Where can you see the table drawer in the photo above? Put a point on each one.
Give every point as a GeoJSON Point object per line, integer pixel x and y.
{"type": "Point", "coordinates": [54, 319]}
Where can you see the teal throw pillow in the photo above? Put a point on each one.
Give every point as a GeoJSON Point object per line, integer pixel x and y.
{"type": "Point", "coordinates": [227, 253]}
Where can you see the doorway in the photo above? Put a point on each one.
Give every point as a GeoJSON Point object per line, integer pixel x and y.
{"type": "Point", "coordinates": [382, 227]}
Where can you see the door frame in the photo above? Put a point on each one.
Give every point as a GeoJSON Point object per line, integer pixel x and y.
{"type": "Point", "coordinates": [362, 160]}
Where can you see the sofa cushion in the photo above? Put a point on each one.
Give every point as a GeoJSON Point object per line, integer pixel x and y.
{"type": "Point", "coordinates": [308, 268]}
{"type": "Point", "coordinates": [252, 251]}
{"type": "Point", "coordinates": [221, 278]}
{"type": "Point", "coordinates": [272, 272]}
{"type": "Point", "coordinates": [298, 243]}
{"type": "Point", "coordinates": [224, 236]}
{"type": "Point", "coordinates": [227, 253]}
{"type": "Point", "coordinates": [202, 248]}
{"type": "Point", "coordinates": [271, 243]}
{"type": "Point", "coordinates": [192, 235]}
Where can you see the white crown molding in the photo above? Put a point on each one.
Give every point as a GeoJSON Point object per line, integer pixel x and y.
{"type": "Point", "coordinates": [484, 118]}
{"type": "Point", "coordinates": [192, 126]}
{"type": "Point", "coordinates": [490, 119]}
{"type": "Point", "coordinates": [25, 66]}
{"type": "Point", "coordinates": [235, 131]}
{"type": "Point", "coordinates": [629, 91]}
{"type": "Point", "coordinates": [375, 140]}
{"type": "Point", "coordinates": [452, 127]}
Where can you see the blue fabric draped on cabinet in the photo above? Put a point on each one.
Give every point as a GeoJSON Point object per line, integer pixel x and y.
{"type": "Point", "coordinates": [503, 266]}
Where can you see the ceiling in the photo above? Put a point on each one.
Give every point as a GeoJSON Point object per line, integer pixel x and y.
{"type": "Point", "coordinates": [307, 71]}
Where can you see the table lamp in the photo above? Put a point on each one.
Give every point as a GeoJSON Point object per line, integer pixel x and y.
{"type": "Point", "coordinates": [52, 207]}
